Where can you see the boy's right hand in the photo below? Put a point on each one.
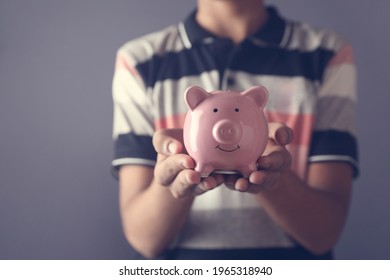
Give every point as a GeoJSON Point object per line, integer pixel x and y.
{"type": "Point", "coordinates": [175, 168]}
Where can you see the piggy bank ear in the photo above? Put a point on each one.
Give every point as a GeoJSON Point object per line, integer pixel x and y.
{"type": "Point", "coordinates": [259, 94]}
{"type": "Point", "coordinates": [194, 96]}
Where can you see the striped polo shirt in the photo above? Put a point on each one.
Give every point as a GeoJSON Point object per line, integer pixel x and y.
{"type": "Point", "coordinates": [309, 73]}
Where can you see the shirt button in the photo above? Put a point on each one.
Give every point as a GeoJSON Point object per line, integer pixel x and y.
{"type": "Point", "coordinates": [230, 81]}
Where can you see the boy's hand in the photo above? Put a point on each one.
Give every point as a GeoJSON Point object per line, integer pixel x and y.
{"type": "Point", "coordinates": [272, 164]}
{"type": "Point", "coordinates": [175, 168]}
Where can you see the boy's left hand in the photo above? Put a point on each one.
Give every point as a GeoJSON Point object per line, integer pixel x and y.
{"type": "Point", "coordinates": [271, 165]}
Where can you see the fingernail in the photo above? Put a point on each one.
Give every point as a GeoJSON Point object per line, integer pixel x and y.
{"type": "Point", "coordinates": [172, 147]}
{"type": "Point", "coordinates": [284, 136]}
{"type": "Point", "coordinates": [205, 185]}
{"type": "Point", "coordinates": [265, 164]}
{"type": "Point", "coordinates": [288, 135]}
{"type": "Point", "coordinates": [185, 164]}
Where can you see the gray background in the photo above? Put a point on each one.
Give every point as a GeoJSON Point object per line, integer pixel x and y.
{"type": "Point", "coordinates": [57, 197]}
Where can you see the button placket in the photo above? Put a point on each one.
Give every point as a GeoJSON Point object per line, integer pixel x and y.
{"type": "Point", "coordinates": [228, 79]}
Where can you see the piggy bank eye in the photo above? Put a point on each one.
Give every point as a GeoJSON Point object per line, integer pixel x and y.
{"type": "Point", "coordinates": [215, 110]}
{"type": "Point", "coordinates": [237, 110]}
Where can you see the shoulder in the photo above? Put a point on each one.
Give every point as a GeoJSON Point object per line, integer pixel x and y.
{"type": "Point", "coordinates": [157, 43]}
{"type": "Point", "coordinates": [306, 37]}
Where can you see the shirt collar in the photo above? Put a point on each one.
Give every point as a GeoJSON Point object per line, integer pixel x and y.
{"type": "Point", "coordinates": [271, 33]}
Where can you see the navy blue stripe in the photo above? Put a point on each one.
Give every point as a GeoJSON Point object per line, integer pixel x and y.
{"type": "Point", "coordinates": [248, 57]}
{"type": "Point", "coordinates": [176, 65]}
{"type": "Point", "coordinates": [333, 142]}
{"type": "Point", "coordinates": [296, 253]}
{"type": "Point", "coordinates": [131, 145]}
{"type": "Point", "coordinates": [271, 32]}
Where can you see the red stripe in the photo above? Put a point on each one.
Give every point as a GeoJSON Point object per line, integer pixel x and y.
{"type": "Point", "coordinates": [343, 56]}
{"type": "Point", "coordinates": [301, 124]}
{"type": "Point", "coordinates": [176, 121]}
{"type": "Point", "coordinates": [122, 63]}
{"type": "Point", "coordinates": [299, 155]}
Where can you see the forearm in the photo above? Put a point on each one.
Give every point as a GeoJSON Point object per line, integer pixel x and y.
{"type": "Point", "coordinates": [151, 217]}
{"type": "Point", "coordinates": [151, 220]}
{"type": "Point", "coordinates": [312, 216]}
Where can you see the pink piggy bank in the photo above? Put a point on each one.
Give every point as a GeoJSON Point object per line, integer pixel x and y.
{"type": "Point", "coordinates": [225, 132]}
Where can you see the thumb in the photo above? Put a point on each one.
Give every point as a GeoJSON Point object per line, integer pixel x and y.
{"type": "Point", "coordinates": [168, 141]}
{"type": "Point", "coordinates": [281, 133]}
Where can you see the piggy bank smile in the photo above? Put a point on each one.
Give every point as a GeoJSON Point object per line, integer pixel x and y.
{"type": "Point", "coordinates": [227, 149]}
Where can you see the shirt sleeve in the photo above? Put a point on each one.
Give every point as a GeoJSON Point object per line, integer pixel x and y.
{"type": "Point", "coordinates": [334, 136]}
{"type": "Point", "coordinates": [133, 122]}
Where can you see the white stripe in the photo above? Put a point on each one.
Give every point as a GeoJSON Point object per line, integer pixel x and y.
{"type": "Point", "coordinates": [308, 38]}
{"type": "Point", "coordinates": [173, 103]}
{"type": "Point", "coordinates": [139, 161]}
{"type": "Point", "coordinates": [133, 111]}
{"type": "Point", "coordinates": [158, 43]}
{"type": "Point", "coordinates": [259, 42]}
{"type": "Point", "coordinates": [223, 198]}
{"type": "Point", "coordinates": [340, 80]}
{"type": "Point", "coordinates": [288, 95]}
{"type": "Point", "coordinates": [286, 35]}
{"type": "Point", "coordinates": [232, 228]}
{"type": "Point", "coordinates": [184, 36]}
{"type": "Point", "coordinates": [336, 113]}
{"type": "Point", "coordinates": [333, 158]}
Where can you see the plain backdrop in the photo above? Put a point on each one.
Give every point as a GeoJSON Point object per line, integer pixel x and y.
{"type": "Point", "coordinates": [58, 199]}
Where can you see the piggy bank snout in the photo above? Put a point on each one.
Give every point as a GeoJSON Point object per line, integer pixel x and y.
{"type": "Point", "coordinates": [227, 132]}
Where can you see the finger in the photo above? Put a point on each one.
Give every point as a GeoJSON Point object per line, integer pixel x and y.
{"type": "Point", "coordinates": [281, 133]}
{"type": "Point", "coordinates": [242, 184]}
{"type": "Point", "coordinates": [230, 181]}
{"type": "Point", "coordinates": [219, 178]}
{"type": "Point", "coordinates": [206, 184]}
{"type": "Point", "coordinates": [168, 141]}
{"type": "Point", "coordinates": [260, 180]}
{"type": "Point", "coordinates": [276, 161]}
{"type": "Point", "coordinates": [184, 183]}
{"type": "Point", "coordinates": [166, 171]}
{"type": "Point", "coordinates": [258, 177]}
